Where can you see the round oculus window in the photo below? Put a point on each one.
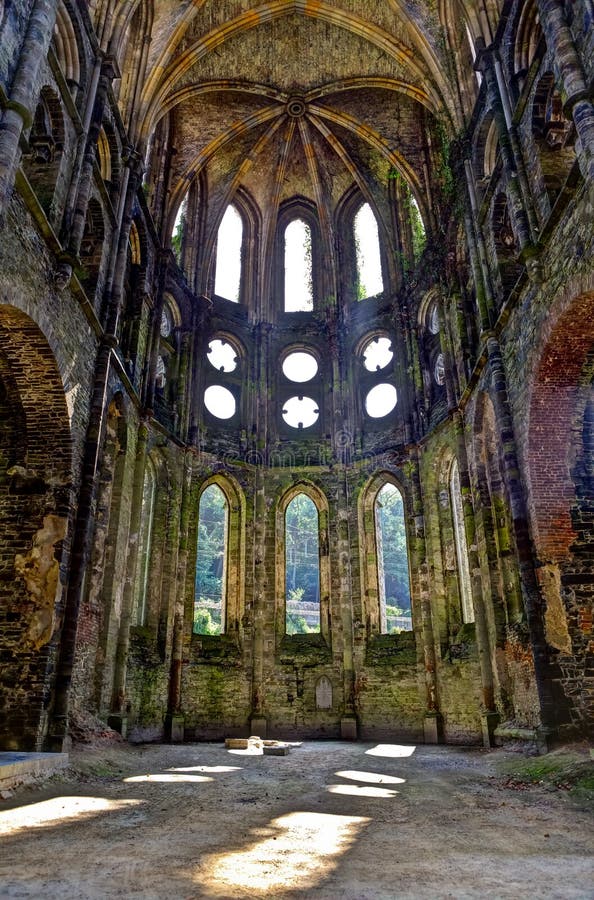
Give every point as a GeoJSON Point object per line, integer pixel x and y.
{"type": "Point", "coordinates": [300, 366]}
{"type": "Point", "coordinates": [377, 354]}
{"type": "Point", "coordinates": [380, 400]}
{"type": "Point", "coordinates": [222, 355]}
{"type": "Point", "coordinates": [219, 401]}
{"type": "Point", "coordinates": [300, 412]}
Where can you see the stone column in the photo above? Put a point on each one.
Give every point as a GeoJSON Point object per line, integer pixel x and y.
{"type": "Point", "coordinates": [489, 716]}
{"type": "Point", "coordinates": [502, 115]}
{"type": "Point", "coordinates": [82, 538]}
{"type": "Point", "coordinates": [114, 292]}
{"type": "Point", "coordinates": [432, 724]}
{"type": "Point", "coordinates": [118, 719]}
{"type": "Point", "coordinates": [533, 601]}
{"type": "Point", "coordinates": [174, 721]}
{"type": "Point", "coordinates": [478, 255]}
{"type": "Point", "coordinates": [576, 93]}
{"type": "Point", "coordinates": [183, 383]}
{"type": "Point", "coordinates": [79, 215]}
{"type": "Point", "coordinates": [258, 722]}
{"type": "Point", "coordinates": [348, 722]}
{"type": "Point", "coordinates": [165, 258]}
{"type": "Point", "coordinates": [19, 110]}
{"type": "Point", "coordinates": [81, 146]}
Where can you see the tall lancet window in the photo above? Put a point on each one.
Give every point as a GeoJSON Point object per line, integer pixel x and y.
{"type": "Point", "coordinates": [302, 566]}
{"type": "Point", "coordinates": [461, 545]}
{"type": "Point", "coordinates": [392, 561]}
{"type": "Point", "coordinates": [298, 267]}
{"type": "Point", "coordinates": [367, 249]}
{"type": "Point", "coordinates": [211, 562]}
{"type": "Point", "coordinates": [228, 266]}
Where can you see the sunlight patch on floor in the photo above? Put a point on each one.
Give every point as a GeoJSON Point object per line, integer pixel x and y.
{"type": "Point", "coordinates": [392, 751]}
{"type": "Point", "coordinates": [359, 790]}
{"type": "Point", "coordinates": [59, 811]}
{"type": "Point", "coordinates": [167, 777]}
{"type": "Point", "coordinates": [370, 777]}
{"type": "Point", "coordinates": [301, 849]}
{"type": "Point", "coordinates": [213, 769]}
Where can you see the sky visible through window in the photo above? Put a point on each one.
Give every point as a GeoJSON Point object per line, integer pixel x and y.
{"type": "Point", "coordinates": [228, 265]}
{"type": "Point", "coordinates": [298, 270]}
{"type": "Point", "coordinates": [369, 265]}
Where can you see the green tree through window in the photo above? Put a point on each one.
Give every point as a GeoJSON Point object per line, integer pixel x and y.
{"type": "Point", "coordinates": [393, 576]}
{"type": "Point", "coordinates": [211, 562]}
{"type": "Point", "coordinates": [302, 566]}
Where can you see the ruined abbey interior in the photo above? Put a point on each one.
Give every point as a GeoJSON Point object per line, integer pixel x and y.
{"type": "Point", "coordinates": [296, 363]}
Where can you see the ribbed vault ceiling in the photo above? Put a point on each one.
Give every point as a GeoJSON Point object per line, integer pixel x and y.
{"type": "Point", "coordinates": [293, 97]}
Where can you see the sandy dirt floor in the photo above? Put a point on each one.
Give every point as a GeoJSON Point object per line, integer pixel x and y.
{"type": "Point", "coordinates": [330, 820]}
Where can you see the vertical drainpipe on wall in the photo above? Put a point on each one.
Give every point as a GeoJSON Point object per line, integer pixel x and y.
{"type": "Point", "coordinates": [18, 112]}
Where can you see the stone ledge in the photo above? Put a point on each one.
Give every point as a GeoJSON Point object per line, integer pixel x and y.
{"type": "Point", "coordinates": [17, 767]}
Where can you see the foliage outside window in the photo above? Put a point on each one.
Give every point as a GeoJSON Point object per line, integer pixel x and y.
{"type": "Point", "coordinates": [302, 566]}
{"type": "Point", "coordinates": [211, 562]}
{"type": "Point", "coordinates": [178, 230]}
{"type": "Point", "coordinates": [392, 559]}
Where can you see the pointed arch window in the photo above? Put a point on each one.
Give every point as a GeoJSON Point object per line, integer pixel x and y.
{"type": "Point", "coordinates": [302, 566]}
{"type": "Point", "coordinates": [211, 562]}
{"type": "Point", "coordinates": [229, 247]}
{"type": "Point", "coordinates": [461, 544]}
{"type": "Point", "coordinates": [145, 542]}
{"type": "Point", "coordinates": [392, 561]}
{"type": "Point", "coordinates": [367, 253]}
{"type": "Point", "coordinates": [298, 267]}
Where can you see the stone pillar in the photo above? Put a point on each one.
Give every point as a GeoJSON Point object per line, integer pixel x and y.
{"type": "Point", "coordinates": [114, 293]}
{"type": "Point", "coordinates": [258, 722]}
{"type": "Point", "coordinates": [79, 215]}
{"type": "Point", "coordinates": [502, 115]}
{"type": "Point", "coordinates": [516, 149]}
{"type": "Point", "coordinates": [81, 146]}
{"type": "Point", "coordinates": [476, 246]}
{"type": "Point", "coordinates": [423, 622]}
{"type": "Point", "coordinates": [533, 601]}
{"type": "Point", "coordinates": [183, 383]}
{"type": "Point", "coordinates": [348, 722]}
{"type": "Point", "coordinates": [19, 110]}
{"type": "Point", "coordinates": [576, 93]}
{"type": "Point", "coordinates": [82, 538]}
{"type": "Point", "coordinates": [174, 721]}
{"type": "Point", "coordinates": [117, 719]}
{"type": "Point", "coordinates": [489, 715]}
{"type": "Point", "coordinates": [165, 259]}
